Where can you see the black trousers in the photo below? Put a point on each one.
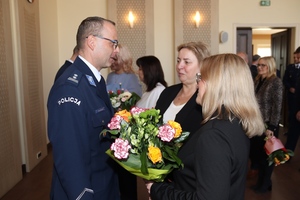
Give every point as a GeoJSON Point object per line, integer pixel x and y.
{"type": "Point", "coordinates": [127, 184]}
{"type": "Point", "coordinates": [258, 158]}
{"type": "Point", "coordinates": [294, 132]}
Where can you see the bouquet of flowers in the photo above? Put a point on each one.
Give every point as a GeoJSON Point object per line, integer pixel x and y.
{"type": "Point", "coordinates": [276, 151]}
{"type": "Point", "coordinates": [144, 146]}
{"type": "Point", "coordinates": [123, 99]}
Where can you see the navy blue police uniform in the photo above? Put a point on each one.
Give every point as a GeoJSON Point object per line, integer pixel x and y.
{"type": "Point", "coordinates": [291, 75]}
{"type": "Point", "coordinates": [79, 109]}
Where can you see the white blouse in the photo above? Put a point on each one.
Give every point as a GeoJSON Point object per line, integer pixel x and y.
{"type": "Point", "coordinates": [171, 112]}
{"type": "Point", "coordinates": [149, 99]}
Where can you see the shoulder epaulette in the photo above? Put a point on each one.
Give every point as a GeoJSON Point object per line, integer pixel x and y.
{"type": "Point", "coordinates": [74, 77]}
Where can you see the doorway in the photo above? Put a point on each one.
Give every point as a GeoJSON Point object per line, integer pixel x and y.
{"type": "Point", "coordinates": [265, 41]}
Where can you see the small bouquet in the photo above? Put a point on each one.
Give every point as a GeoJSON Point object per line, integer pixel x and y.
{"type": "Point", "coordinates": [277, 153]}
{"type": "Point", "coordinates": [144, 146]}
{"type": "Point", "coordinates": [123, 99]}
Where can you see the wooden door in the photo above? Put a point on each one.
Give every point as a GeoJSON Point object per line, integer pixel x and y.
{"type": "Point", "coordinates": [244, 42]}
{"type": "Point", "coordinates": [280, 43]}
{"type": "Point", "coordinates": [280, 49]}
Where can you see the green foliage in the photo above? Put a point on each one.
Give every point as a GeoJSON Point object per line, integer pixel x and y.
{"type": "Point", "coordinates": [141, 131]}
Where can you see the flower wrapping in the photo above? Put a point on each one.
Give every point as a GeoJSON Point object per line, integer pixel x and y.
{"type": "Point", "coordinates": [144, 145]}
{"type": "Point", "coordinates": [276, 152]}
{"type": "Point", "coordinates": [123, 99]}
{"type": "Point", "coordinates": [272, 144]}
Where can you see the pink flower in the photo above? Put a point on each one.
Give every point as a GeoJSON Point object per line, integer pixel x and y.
{"type": "Point", "coordinates": [115, 122]}
{"type": "Point", "coordinates": [166, 133]}
{"type": "Point", "coordinates": [120, 148]}
{"type": "Point", "coordinates": [136, 110]}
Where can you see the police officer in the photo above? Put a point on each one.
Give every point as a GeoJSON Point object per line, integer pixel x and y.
{"type": "Point", "coordinates": [291, 75]}
{"type": "Point", "coordinates": [78, 110]}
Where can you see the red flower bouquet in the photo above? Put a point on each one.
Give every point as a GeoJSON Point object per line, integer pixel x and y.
{"type": "Point", "coordinates": [143, 145]}
{"type": "Point", "coordinates": [277, 153]}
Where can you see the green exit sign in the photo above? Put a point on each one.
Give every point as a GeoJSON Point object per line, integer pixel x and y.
{"type": "Point", "coordinates": [265, 3]}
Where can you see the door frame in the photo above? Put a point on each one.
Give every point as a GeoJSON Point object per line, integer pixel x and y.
{"type": "Point", "coordinates": [295, 33]}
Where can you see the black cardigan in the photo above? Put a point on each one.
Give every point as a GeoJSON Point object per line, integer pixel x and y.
{"type": "Point", "coordinates": [189, 117]}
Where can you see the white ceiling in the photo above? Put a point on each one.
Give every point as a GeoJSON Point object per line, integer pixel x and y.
{"type": "Point", "coordinates": [265, 31]}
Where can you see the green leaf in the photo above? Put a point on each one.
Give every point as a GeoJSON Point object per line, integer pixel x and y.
{"type": "Point", "coordinates": [132, 164]}
{"type": "Point", "coordinates": [144, 167]}
{"type": "Point", "coordinates": [183, 137]}
{"type": "Point", "coordinates": [113, 132]}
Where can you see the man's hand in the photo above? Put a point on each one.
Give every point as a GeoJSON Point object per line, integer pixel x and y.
{"type": "Point", "coordinates": [298, 116]}
{"type": "Point", "coordinates": [292, 90]}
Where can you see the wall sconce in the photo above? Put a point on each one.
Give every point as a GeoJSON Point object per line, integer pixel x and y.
{"type": "Point", "coordinates": [197, 19]}
{"type": "Point", "coordinates": [130, 19]}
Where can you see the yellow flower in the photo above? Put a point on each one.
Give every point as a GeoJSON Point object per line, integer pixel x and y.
{"type": "Point", "coordinates": [287, 157]}
{"type": "Point", "coordinates": [277, 162]}
{"type": "Point", "coordinates": [177, 127]}
{"type": "Point", "coordinates": [154, 154]}
{"type": "Point", "coordinates": [124, 114]}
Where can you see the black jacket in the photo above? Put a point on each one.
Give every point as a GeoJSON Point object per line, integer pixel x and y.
{"type": "Point", "coordinates": [189, 117]}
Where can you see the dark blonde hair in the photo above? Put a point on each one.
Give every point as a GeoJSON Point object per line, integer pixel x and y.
{"type": "Point", "coordinates": [230, 93]}
{"type": "Point", "coordinates": [200, 49]}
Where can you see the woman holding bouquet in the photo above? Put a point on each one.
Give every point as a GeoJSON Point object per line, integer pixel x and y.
{"type": "Point", "coordinates": [178, 102]}
{"type": "Point", "coordinates": [268, 89]}
{"type": "Point", "coordinates": [215, 158]}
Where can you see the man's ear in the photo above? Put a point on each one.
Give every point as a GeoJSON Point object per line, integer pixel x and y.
{"type": "Point", "coordinates": [91, 42]}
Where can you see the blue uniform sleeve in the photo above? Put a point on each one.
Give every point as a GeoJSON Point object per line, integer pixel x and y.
{"type": "Point", "coordinates": [67, 130]}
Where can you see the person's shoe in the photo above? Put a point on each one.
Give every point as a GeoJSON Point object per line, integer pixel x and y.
{"type": "Point", "coordinates": [263, 190]}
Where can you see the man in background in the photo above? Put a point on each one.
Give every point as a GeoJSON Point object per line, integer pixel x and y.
{"type": "Point", "coordinates": [67, 63]}
{"type": "Point", "coordinates": [244, 56]}
{"type": "Point", "coordinates": [291, 75]}
{"type": "Point", "coordinates": [253, 67]}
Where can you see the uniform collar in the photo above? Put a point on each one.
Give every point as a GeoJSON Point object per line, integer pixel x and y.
{"type": "Point", "coordinates": [96, 73]}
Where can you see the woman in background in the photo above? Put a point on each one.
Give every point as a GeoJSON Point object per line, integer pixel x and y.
{"type": "Point", "coordinates": [215, 158]}
{"type": "Point", "coordinates": [151, 73]}
{"type": "Point", "coordinates": [122, 76]}
{"type": "Point", "coordinates": [178, 102]}
{"type": "Point", "coordinates": [268, 89]}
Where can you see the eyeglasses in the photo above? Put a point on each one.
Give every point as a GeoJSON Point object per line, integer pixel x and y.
{"type": "Point", "coordinates": [198, 77]}
{"type": "Point", "coordinates": [261, 65]}
{"type": "Point", "coordinates": [115, 42]}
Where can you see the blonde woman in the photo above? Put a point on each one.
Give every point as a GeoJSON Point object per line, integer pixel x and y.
{"type": "Point", "coordinates": [123, 76]}
{"type": "Point", "coordinates": [269, 92]}
{"type": "Point", "coordinates": [216, 157]}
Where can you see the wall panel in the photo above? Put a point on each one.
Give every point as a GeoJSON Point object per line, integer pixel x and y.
{"type": "Point", "coordinates": [10, 153]}
{"type": "Point", "coordinates": [31, 83]}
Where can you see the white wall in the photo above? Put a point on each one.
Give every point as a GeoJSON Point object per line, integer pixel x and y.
{"type": "Point", "coordinates": [164, 37]}
{"type": "Point", "coordinates": [49, 46]}
{"type": "Point", "coordinates": [250, 13]}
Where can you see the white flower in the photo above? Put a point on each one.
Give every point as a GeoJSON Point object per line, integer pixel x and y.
{"type": "Point", "coordinates": [125, 96]}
